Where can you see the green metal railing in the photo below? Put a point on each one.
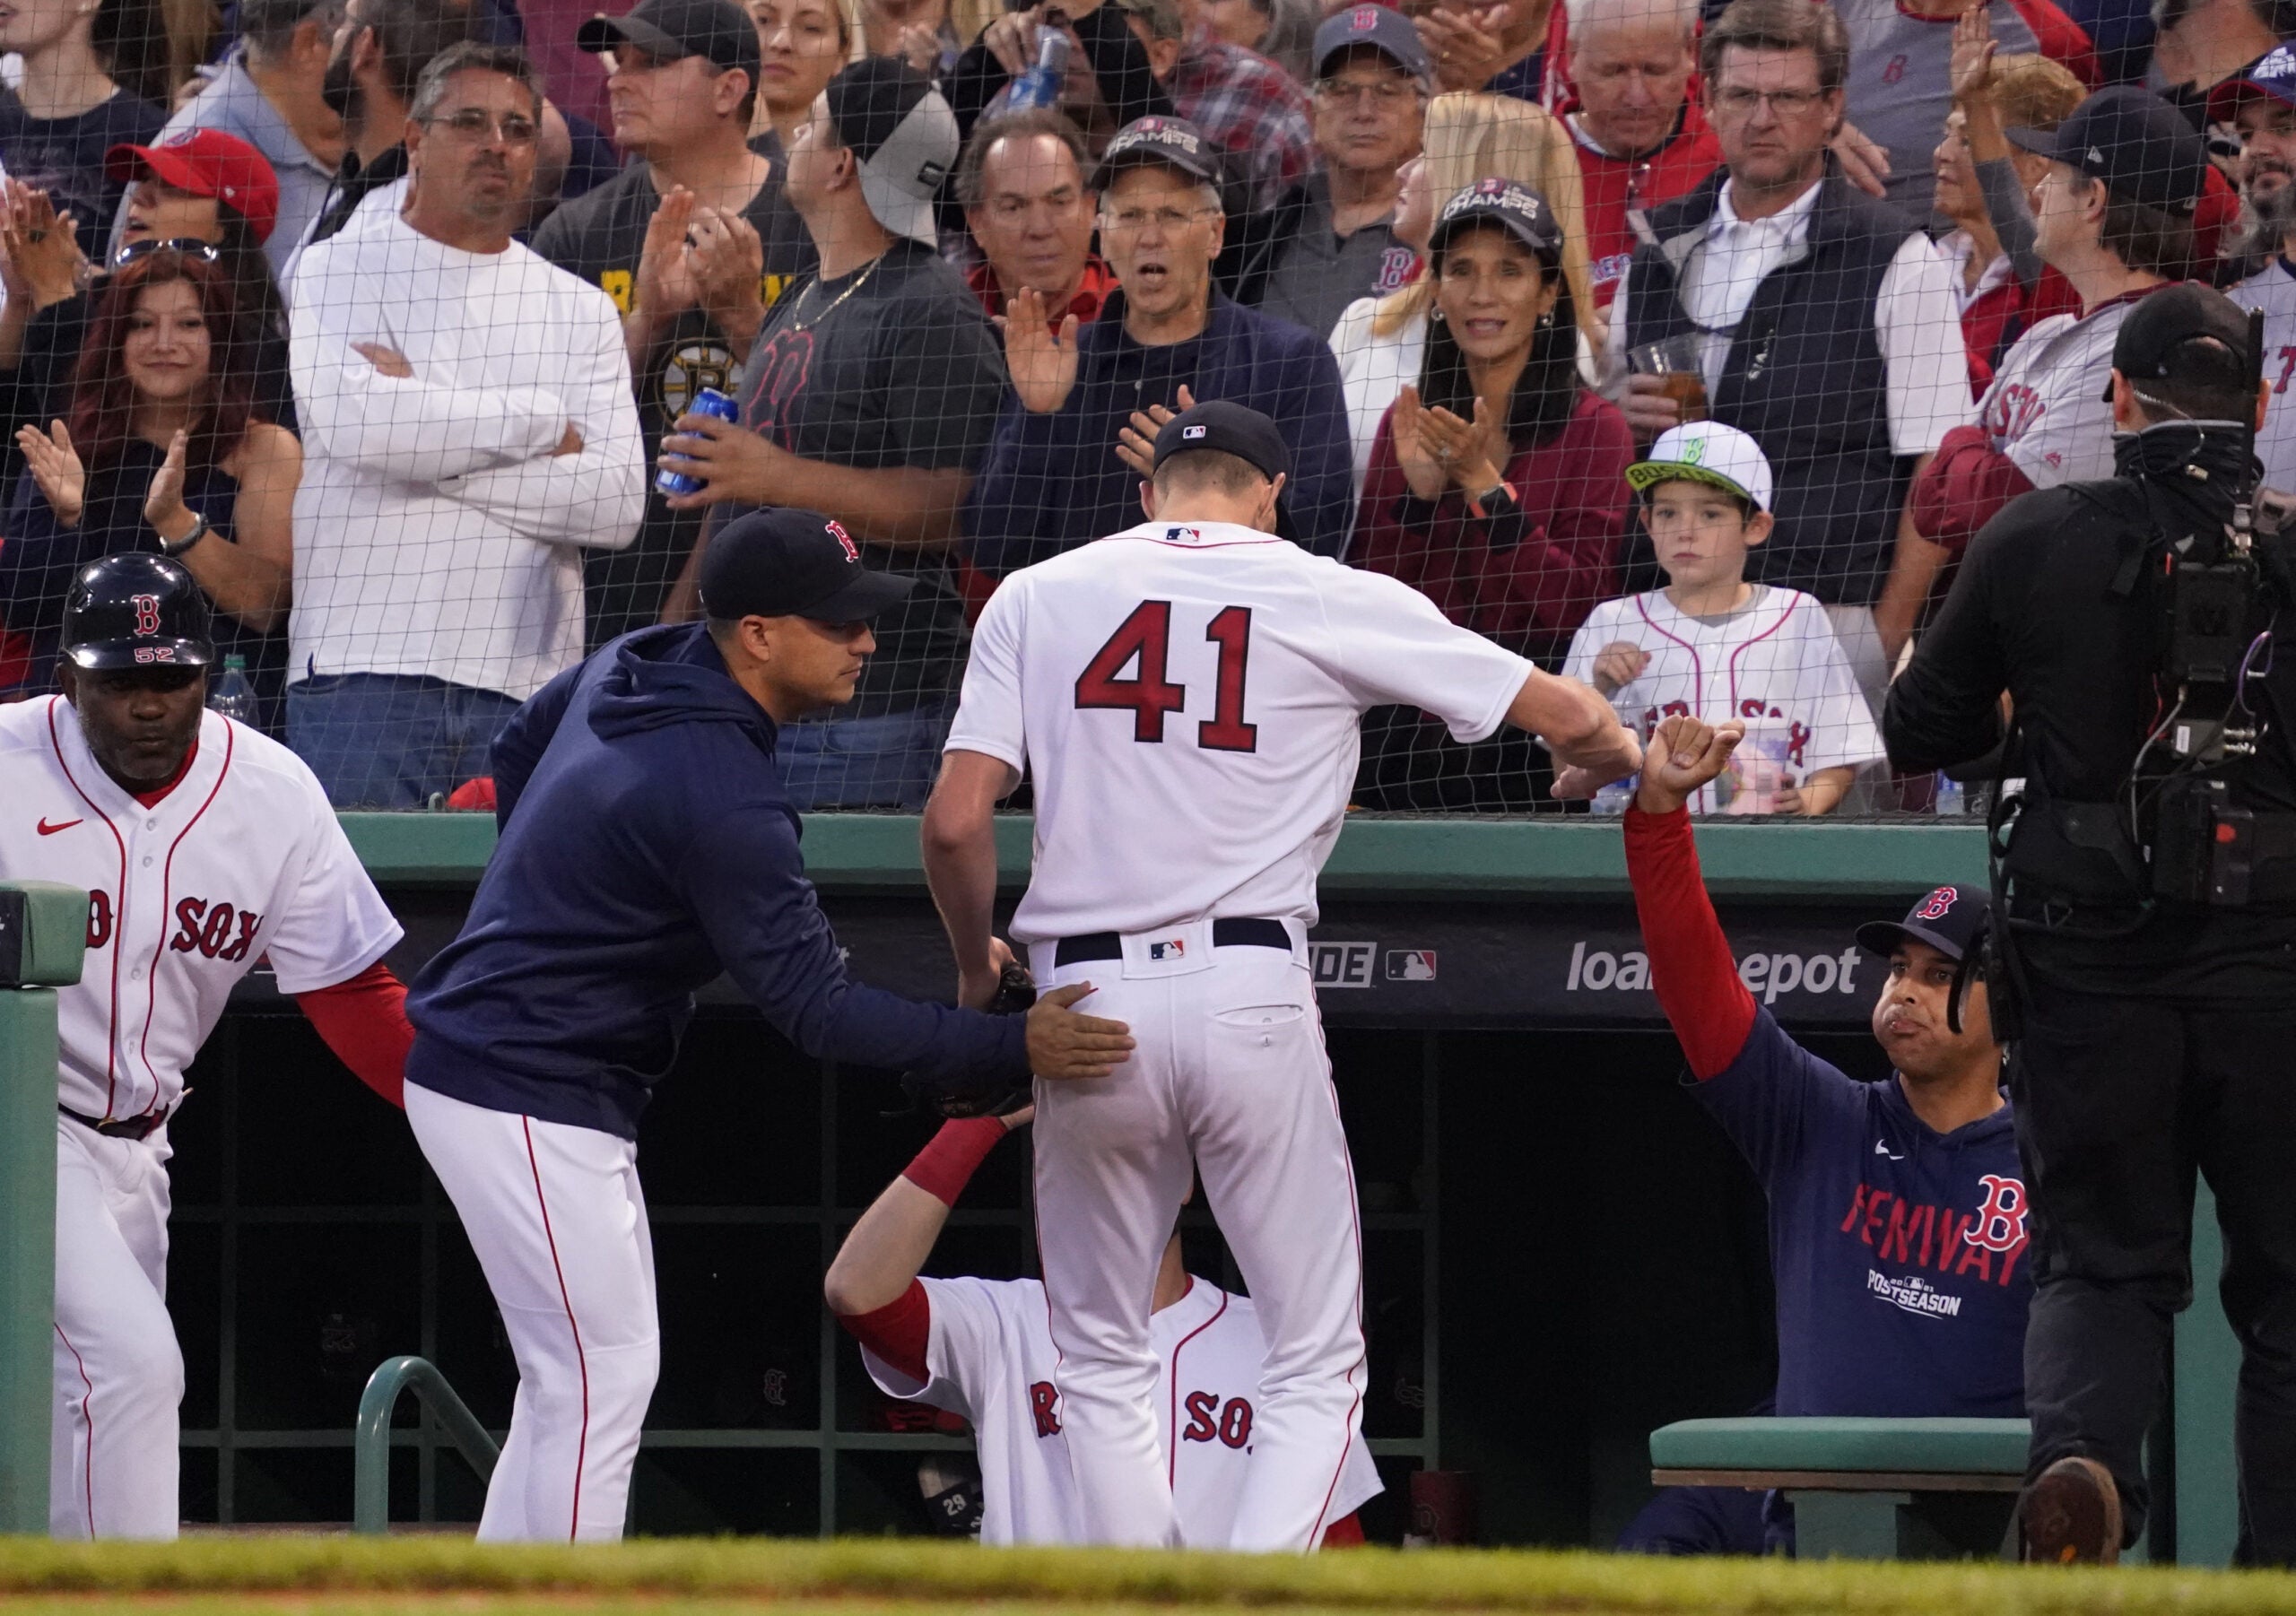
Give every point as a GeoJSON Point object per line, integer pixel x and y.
{"type": "Point", "coordinates": [43, 929]}
{"type": "Point", "coordinates": [371, 1506]}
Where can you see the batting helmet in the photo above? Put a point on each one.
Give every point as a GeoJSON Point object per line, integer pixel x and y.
{"type": "Point", "coordinates": [136, 612]}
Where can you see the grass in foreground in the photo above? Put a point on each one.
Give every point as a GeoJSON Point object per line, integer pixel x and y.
{"type": "Point", "coordinates": [231, 1577]}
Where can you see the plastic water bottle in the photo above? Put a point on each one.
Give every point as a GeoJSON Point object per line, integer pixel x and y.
{"type": "Point", "coordinates": [233, 695]}
{"type": "Point", "coordinates": [1952, 800]}
{"type": "Point", "coordinates": [1039, 86]}
{"type": "Point", "coordinates": [709, 401]}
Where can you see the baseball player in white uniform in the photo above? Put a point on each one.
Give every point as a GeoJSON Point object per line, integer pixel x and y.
{"type": "Point", "coordinates": [1715, 646]}
{"type": "Point", "coordinates": [982, 1349]}
{"type": "Point", "coordinates": [205, 848]}
{"type": "Point", "coordinates": [1186, 694]}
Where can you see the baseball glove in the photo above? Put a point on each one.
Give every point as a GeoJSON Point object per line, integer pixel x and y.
{"type": "Point", "coordinates": [976, 1095]}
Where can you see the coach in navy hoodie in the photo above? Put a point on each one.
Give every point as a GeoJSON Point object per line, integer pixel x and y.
{"type": "Point", "coordinates": [647, 845]}
{"type": "Point", "coordinates": [1898, 1219]}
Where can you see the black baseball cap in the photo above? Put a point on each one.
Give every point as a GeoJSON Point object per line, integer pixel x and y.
{"type": "Point", "coordinates": [2139, 145]}
{"type": "Point", "coordinates": [1173, 141]}
{"type": "Point", "coordinates": [1522, 211]}
{"type": "Point", "coordinates": [1231, 427]}
{"type": "Point", "coordinates": [793, 563]}
{"type": "Point", "coordinates": [903, 135]}
{"type": "Point", "coordinates": [2159, 340]}
{"type": "Point", "coordinates": [674, 29]}
{"type": "Point", "coordinates": [1377, 26]}
{"type": "Point", "coordinates": [1948, 920]}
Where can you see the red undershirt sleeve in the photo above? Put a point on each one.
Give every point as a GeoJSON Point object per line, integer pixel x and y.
{"type": "Point", "coordinates": [898, 1332]}
{"type": "Point", "coordinates": [1692, 967]}
{"type": "Point", "coordinates": [1346, 1533]}
{"type": "Point", "coordinates": [363, 1020]}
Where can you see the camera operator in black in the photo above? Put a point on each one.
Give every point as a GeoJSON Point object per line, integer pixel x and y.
{"type": "Point", "coordinates": [2158, 1030]}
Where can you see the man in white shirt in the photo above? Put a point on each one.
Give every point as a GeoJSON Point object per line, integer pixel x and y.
{"type": "Point", "coordinates": [1826, 324]}
{"type": "Point", "coordinates": [2261, 104]}
{"type": "Point", "coordinates": [468, 429]}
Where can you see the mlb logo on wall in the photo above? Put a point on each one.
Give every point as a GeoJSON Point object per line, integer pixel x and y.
{"type": "Point", "coordinates": [1176, 949]}
{"type": "Point", "coordinates": [1410, 965]}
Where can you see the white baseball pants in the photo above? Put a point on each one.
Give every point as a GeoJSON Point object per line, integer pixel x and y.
{"type": "Point", "coordinates": [113, 1467]}
{"type": "Point", "coordinates": [556, 1219]}
{"type": "Point", "coordinates": [1230, 1078]}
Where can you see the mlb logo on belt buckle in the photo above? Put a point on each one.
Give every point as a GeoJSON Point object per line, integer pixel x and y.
{"type": "Point", "coordinates": [1176, 949]}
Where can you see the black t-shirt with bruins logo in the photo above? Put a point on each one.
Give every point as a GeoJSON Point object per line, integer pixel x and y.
{"type": "Point", "coordinates": [599, 237]}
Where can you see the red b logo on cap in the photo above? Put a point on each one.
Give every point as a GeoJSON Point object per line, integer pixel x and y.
{"type": "Point", "coordinates": [836, 530]}
{"type": "Point", "coordinates": [1941, 902]}
{"type": "Point", "coordinates": [1363, 19]}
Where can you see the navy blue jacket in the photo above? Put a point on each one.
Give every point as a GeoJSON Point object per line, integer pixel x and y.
{"type": "Point", "coordinates": [647, 845]}
{"type": "Point", "coordinates": [1901, 1255]}
{"type": "Point", "coordinates": [1054, 481]}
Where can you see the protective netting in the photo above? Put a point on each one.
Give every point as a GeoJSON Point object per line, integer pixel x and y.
{"type": "Point", "coordinates": [323, 300]}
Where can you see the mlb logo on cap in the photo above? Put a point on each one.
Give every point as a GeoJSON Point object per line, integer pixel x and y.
{"type": "Point", "coordinates": [1192, 432]}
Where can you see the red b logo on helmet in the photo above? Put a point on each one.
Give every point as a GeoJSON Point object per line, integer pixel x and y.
{"type": "Point", "coordinates": [147, 613]}
{"type": "Point", "coordinates": [1940, 903]}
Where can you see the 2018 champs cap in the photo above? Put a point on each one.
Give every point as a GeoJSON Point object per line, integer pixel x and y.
{"type": "Point", "coordinates": [793, 563]}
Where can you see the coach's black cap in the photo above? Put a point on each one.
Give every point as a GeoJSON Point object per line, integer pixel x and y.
{"type": "Point", "coordinates": [1948, 920]}
{"type": "Point", "coordinates": [673, 30]}
{"type": "Point", "coordinates": [793, 563]}
{"type": "Point", "coordinates": [1173, 141]}
{"type": "Point", "coordinates": [2139, 145]}
{"type": "Point", "coordinates": [1231, 429]}
{"type": "Point", "coordinates": [2186, 332]}
{"type": "Point", "coordinates": [136, 610]}
{"type": "Point", "coordinates": [1519, 209]}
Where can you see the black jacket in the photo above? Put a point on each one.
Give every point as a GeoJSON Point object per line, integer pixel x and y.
{"type": "Point", "coordinates": [648, 843]}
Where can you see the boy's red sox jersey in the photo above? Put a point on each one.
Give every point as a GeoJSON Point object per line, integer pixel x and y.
{"type": "Point", "coordinates": [243, 860]}
{"type": "Point", "coordinates": [1774, 664]}
{"type": "Point", "coordinates": [991, 1359]}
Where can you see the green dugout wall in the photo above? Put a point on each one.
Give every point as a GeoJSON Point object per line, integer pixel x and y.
{"type": "Point", "coordinates": [1549, 1224]}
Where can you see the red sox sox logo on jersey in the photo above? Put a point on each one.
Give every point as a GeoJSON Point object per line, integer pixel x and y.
{"type": "Point", "coordinates": [2015, 409]}
{"type": "Point", "coordinates": [1797, 733]}
{"type": "Point", "coordinates": [1208, 1418]}
{"type": "Point", "coordinates": [208, 928]}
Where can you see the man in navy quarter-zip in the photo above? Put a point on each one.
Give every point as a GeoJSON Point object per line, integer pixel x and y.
{"type": "Point", "coordinates": [1897, 1225]}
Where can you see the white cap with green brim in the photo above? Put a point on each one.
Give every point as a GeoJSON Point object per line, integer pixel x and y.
{"type": "Point", "coordinates": [1709, 452]}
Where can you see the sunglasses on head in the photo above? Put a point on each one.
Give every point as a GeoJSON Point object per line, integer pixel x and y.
{"type": "Point", "coordinates": [201, 251]}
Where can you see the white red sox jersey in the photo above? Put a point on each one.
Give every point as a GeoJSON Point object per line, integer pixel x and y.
{"type": "Point", "coordinates": [2273, 290]}
{"type": "Point", "coordinates": [2046, 409]}
{"type": "Point", "coordinates": [1774, 664]}
{"type": "Point", "coordinates": [991, 1358]}
{"type": "Point", "coordinates": [243, 860]}
{"type": "Point", "coordinates": [1200, 685]}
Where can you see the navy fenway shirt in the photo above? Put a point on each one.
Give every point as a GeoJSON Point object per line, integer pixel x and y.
{"type": "Point", "coordinates": [1900, 1253]}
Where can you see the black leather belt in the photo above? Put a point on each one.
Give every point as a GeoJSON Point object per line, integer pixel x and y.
{"type": "Point", "coordinates": [1225, 933]}
{"type": "Point", "coordinates": [120, 1127]}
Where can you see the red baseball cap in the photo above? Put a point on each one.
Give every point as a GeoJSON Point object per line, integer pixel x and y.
{"type": "Point", "coordinates": [206, 163]}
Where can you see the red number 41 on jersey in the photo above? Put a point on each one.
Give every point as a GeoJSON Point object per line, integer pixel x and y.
{"type": "Point", "coordinates": [1144, 642]}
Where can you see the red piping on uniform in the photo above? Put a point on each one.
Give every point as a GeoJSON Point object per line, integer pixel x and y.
{"type": "Point", "coordinates": [119, 916]}
{"type": "Point", "coordinates": [1172, 1402]}
{"type": "Point", "coordinates": [87, 1414]}
{"type": "Point", "coordinates": [167, 879]}
{"type": "Point", "coordinates": [582, 1443]}
{"type": "Point", "coordinates": [1697, 663]}
{"type": "Point", "coordinates": [1749, 645]}
{"type": "Point", "coordinates": [1355, 1223]}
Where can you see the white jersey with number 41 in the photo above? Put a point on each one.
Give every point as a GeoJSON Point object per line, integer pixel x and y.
{"type": "Point", "coordinates": [1187, 696]}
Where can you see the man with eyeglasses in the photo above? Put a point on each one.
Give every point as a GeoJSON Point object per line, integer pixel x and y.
{"type": "Point", "coordinates": [694, 241]}
{"type": "Point", "coordinates": [1073, 444]}
{"type": "Point", "coordinates": [1642, 141]}
{"type": "Point", "coordinates": [468, 429]}
{"type": "Point", "coordinates": [1825, 323]}
{"type": "Point", "coordinates": [272, 95]}
{"type": "Point", "coordinates": [1332, 239]}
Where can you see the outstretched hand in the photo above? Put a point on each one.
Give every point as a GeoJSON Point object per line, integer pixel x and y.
{"type": "Point", "coordinates": [1684, 756]}
{"type": "Point", "coordinates": [1065, 1043]}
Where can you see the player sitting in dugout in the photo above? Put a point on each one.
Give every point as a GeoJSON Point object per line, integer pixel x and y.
{"type": "Point", "coordinates": [1712, 644]}
{"type": "Point", "coordinates": [983, 1349]}
{"type": "Point", "coordinates": [1897, 1209]}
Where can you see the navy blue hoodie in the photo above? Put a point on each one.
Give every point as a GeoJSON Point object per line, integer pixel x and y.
{"type": "Point", "coordinates": [648, 843]}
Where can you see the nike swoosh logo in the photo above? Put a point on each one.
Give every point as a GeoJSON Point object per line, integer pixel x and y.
{"type": "Point", "coordinates": [48, 830]}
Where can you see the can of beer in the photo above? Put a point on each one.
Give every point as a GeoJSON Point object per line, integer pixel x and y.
{"type": "Point", "coordinates": [709, 401]}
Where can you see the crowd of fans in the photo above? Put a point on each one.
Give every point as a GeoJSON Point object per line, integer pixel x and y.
{"type": "Point", "coordinates": [384, 315]}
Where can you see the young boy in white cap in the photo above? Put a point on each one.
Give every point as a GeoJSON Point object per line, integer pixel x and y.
{"type": "Point", "coordinates": [1713, 645]}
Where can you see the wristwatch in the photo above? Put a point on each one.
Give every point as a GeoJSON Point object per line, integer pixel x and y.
{"type": "Point", "coordinates": [199, 530]}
